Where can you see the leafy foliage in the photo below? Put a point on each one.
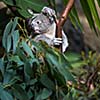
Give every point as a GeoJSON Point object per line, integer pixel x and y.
{"type": "Point", "coordinates": [44, 73]}
{"type": "Point", "coordinates": [25, 75]}
{"type": "Point", "coordinates": [23, 6]}
{"type": "Point", "coordinates": [90, 11]}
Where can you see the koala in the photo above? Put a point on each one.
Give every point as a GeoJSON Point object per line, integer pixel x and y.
{"type": "Point", "coordinates": [44, 25]}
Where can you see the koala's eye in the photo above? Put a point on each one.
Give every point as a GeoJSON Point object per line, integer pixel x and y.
{"type": "Point", "coordinates": [38, 22]}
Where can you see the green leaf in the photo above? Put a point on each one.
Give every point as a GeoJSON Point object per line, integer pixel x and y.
{"type": "Point", "coordinates": [9, 74]}
{"type": "Point", "coordinates": [47, 82]}
{"type": "Point", "coordinates": [28, 69]}
{"type": "Point", "coordinates": [2, 66]}
{"type": "Point", "coordinates": [24, 5]}
{"type": "Point", "coordinates": [19, 92]}
{"type": "Point", "coordinates": [17, 60]}
{"type": "Point", "coordinates": [58, 61]}
{"type": "Point", "coordinates": [45, 93]}
{"type": "Point", "coordinates": [8, 43]}
{"type": "Point", "coordinates": [71, 95]}
{"type": "Point", "coordinates": [53, 59]}
{"type": "Point", "coordinates": [66, 74]}
{"type": "Point", "coordinates": [59, 77]}
{"type": "Point", "coordinates": [92, 6]}
{"type": "Point", "coordinates": [36, 45]}
{"type": "Point", "coordinates": [87, 12]}
{"type": "Point", "coordinates": [74, 59]}
{"type": "Point", "coordinates": [38, 96]}
{"type": "Point", "coordinates": [21, 54]}
{"type": "Point", "coordinates": [6, 33]}
{"type": "Point", "coordinates": [14, 80]}
{"type": "Point", "coordinates": [9, 2]}
{"type": "Point", "coordinates": [75, 18]}
{"type": "Point", "coordinates": [15, 22]}
{"type": "Point", "coordinates": [27, 49]}
{"type": "Point", "coordinates": [71, 57]}
{"type": "Point", "coordinates": [30, 94]}
{"type": "Point", "coordinates": [15, 37]}
{"type": "Point", "coordinates": [68, 97]}
{"type": "Point", "coordinates": [98, 2]}
{"type": "Point", "coordinates": [64, 61]}
{"type": "Point", "coordinates": [32, 82]}
{"type": "Point", "coordinates": [1, 88]}
{"type": "Point", "coordinates": [6, 96]}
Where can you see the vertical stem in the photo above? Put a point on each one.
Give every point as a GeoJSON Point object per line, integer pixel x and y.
{"type": "Point", "coordinates": [63, 18]}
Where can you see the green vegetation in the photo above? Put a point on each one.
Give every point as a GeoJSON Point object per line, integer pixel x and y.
{"type": "Point", "coordinates": [46, 74]}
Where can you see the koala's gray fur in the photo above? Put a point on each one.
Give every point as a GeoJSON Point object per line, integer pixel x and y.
{"type": "Point", "coordinates": [44, 24]}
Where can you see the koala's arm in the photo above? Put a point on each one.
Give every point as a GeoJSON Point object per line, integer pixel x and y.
{"type": "Point", "coordinates": [54, 41]}
{"type": "Point", "coordinates": [63, 41]}
{"type": "Point", "coordinates": [44, 38]}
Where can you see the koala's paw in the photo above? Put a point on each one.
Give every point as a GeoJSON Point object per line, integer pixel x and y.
{"type": "Point", "coordinates": [57, 41]}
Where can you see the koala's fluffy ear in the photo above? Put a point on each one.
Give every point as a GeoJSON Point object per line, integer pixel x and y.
{"type": "Point", "coordinates": [49, 12]}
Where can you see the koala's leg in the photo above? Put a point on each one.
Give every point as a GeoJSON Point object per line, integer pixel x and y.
{"type": "Point", "coordinates": [64, 41]}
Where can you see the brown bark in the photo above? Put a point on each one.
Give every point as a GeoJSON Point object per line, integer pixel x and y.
{"type": "Point", "coordinates": [63, 18]}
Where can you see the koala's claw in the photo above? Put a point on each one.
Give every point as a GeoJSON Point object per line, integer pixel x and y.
{"type": "Point", "coordinates": [57, 41]}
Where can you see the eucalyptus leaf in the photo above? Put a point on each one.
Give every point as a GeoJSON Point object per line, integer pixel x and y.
{"type": "Point", "coordinates": [8, 76]}
{"type": "Point", "coordinates": [9, 2]}
{"type": "Point", "coordinates": [21, 54]}
{"type": "Point", "coordinates": [24, 5]}
{"type": "Point", "coordinates": [2, 66]}
{"type": "Point", "coordinates": [45, 93]}
{"type": "Point", "coordinates": [19, 92]}
{"type": "Point", "coordinates": [27, 49]}
{"type": "Point", "coordinates": [30, 94]}
{"type": "Point", "coordinates": [1, 89]}
{"type": "Point", "coordinates": [36, 45]}
{"type": "Point", "coordinates": [68, 97]}
{"type": "Point", "coordinates": [53, 59]}
{"type": "Point", "coordinates": [14, 80]}
{"type": "Point", "coordinates": [9, 43]}
{"type": "Point", "coordinates": [59, 77]}
{"type": "Point", "coordinates": [72, 57]}
{"type": "Point", "coordinates": [33, 81]}
{"type": "Point", "coordinates": [10, 32]}
{"type": "Point", "coordinates": [47, 82]}
{"type": "Point", "coordinates": [17, 60]}
{"type": "Point", "coordinates": [4, 95]}
{"type": "Point", "coordinates": [66, 74]}
{"type": "Point", "coordinates": [28, 69]}
{"type": "Point", "coordinates": [6, 33]}
{"type": "Point", "coordinates": [15, 22]}
{"type": "Point", "coordinates": [15, 37]}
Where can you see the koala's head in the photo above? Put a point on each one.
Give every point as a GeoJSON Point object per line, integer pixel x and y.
{"type": "Point", "coordinates": [40, 23]}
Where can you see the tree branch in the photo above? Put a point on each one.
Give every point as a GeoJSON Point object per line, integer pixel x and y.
{"type": "Point", "coordinates": [63, 18]}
